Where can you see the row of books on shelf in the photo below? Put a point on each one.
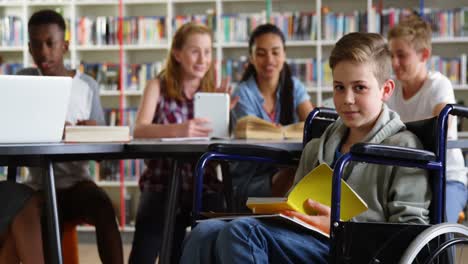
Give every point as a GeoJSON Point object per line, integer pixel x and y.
{"type": "Point", "coordinates": [113, 116]}
{"type": "Point", "coordinates": [208, 19]}
{"type": "Point", "coordinates": [136, 75]}
{"type": "Point", "coordinates": [448, 23]}
{"type": "Point", "coordinates": [303, 25]}
{"type": "Point", "coordinates": [237, 27]}
{"type": "Point", "coordinates": [294, 25]}
{"type": "Point", "coordinates": [305, 69]}
{"type": "Point", "coordinates": [337, 24]}
{"type": "Point", "coordinates": [103, 30]}
{"type": "Point", "coordinates": [11, 29]}
{"type": "Point", "coordinates": [445, 23]}
{"type": "Point", "coordinates": [103, 171]}
{"type": "Point", "coordinates": [139, 74]}
{"type": "Point", "coordinates": [450, 67]}
{"type": "Point", "coordinates": [141, 30]}
{"type": "Point", "coordinates": [138, 30]}
{"type": "Point", "coordinates": [109, 170]}
{"type": "Point", "coordinates": [10, 68]}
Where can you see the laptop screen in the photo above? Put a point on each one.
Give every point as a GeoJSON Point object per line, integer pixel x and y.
{"type": "Point", "coordinates": [33, 108]}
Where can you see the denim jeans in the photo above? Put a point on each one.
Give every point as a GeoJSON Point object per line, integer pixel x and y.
{"type": "Point", "coordinates": [455, 200]}
{"type": "Point", "coordinates": [251, 240]}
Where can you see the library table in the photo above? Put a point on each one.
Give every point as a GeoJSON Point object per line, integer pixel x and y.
{"type": "Point", "coordinates": [45, 154]}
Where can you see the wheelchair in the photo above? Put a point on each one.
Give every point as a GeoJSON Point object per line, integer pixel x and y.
{"type": "Point", "coordinates": [353, 242]}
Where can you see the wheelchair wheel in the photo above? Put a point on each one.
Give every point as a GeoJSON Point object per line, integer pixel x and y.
{"type": "Point", "coordinates": [433, 241]}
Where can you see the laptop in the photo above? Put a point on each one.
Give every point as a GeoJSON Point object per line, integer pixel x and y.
{"type": "Point", "coordinates": [33, 108]}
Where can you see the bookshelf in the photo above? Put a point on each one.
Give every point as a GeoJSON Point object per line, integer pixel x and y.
{"type": "Point", "coordinates": [170, 13]}
{"type": "Point", "coordinates": [139, 57]}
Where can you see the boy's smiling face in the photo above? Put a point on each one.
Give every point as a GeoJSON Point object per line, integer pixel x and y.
{"type": "Point", "coordinates": [357, 94]}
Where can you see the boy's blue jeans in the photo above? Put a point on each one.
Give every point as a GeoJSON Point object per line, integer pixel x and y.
{"type": "Point", "coordinates": [250, 240]}
{"type": "Point", "coordinates": [455, 200]}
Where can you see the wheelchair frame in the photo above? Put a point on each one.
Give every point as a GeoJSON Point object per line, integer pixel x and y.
{"type": "Point", "coordinates": [362, 152]}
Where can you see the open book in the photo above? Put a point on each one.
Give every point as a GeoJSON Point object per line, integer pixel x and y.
{"type": "Point", "coordinates": [316, 185]}
{"type": "Point", "coordinates": [253, 127]}
{"type": "Point", "coordinates": [97, 134]}
{"type": "Point", "coordinates": [268, 217]}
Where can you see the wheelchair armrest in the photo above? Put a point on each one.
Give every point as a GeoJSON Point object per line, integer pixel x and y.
{"type": "Point", "coordinates": [251, 150]}
{"type": "Point", "coordinates": [393, 152]}
{"type": "Point", "coordinates": [459, 110]}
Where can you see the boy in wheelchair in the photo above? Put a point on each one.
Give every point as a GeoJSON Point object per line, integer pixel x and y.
{"type": "Point", "coordinates": [361, 68]}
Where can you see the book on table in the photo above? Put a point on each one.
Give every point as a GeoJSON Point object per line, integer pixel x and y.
{"type": "Point", "coordinates": [252, 127]}
{"type": "Point", "coordinates": [81, 134]}
{"type": "Point", "coordinates": [316, 185]}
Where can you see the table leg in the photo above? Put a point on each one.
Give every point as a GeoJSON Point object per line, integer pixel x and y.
{"type": "Point", "coordinates": [55, 249]}
{"type": "Point", "coordinates": [170, 215]}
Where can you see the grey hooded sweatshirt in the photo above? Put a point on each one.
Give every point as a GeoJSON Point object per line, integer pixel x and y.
{"type": "Point", "coordinates": [393, 194]}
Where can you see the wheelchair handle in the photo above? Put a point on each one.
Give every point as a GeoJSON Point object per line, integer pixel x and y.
{"type": "Point", "coordinates": [326, 112]}
{"type": "Point", "coordinates": [323, 112]}
{"type": "Point", "coordinates": [458, 110]}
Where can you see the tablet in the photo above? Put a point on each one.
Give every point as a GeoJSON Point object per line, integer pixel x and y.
{"type": "Point", "coordinates": [214, 107]}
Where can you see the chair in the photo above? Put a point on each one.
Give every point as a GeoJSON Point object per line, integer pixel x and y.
{"type": "Point", "coordinates": [317, 121]}
{"type": "Point", "coordinates": [70, 252]}
{"type": "Point", "coordinates": [348, 245]}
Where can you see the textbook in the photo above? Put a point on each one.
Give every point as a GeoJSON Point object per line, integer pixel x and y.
{"type": "Point", "coordinates": [316, 185]}
{"type": "Point", "coordinates": [97, 134]}
{"type": "Point", "coordinates": [269, 217]}
{"type": "Point", "coordinates": [252, 127]}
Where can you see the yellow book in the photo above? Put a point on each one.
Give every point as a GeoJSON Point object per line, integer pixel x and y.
{"type": "Point", "coordinates": [252, 127]}
{"type": "Point", "coordinates": [316, 185]}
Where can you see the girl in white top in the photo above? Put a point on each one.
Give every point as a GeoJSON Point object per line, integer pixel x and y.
{"type": "Point", "coordinates": [422, 94]}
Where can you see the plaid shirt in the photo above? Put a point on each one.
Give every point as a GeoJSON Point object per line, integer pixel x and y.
{"type": "Point", "coordinates": [158, 172]}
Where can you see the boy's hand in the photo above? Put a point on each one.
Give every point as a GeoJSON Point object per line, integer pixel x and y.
{"type": "Point", "coordinates": [227, 88]}
{"type": "Point", "coordinates": [320, 220]}
{"type": "Point", "coordinates": [86, 123]}
{"type": "Point", "coordinates": [197, 127]}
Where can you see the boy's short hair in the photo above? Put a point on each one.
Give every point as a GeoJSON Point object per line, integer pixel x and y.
{"type": "Point", "coordinates": [46, 17]}
{"type": "Point", "coordinates": [415, 30]}
{"type": "Point", "coordinates": [362, 47]}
